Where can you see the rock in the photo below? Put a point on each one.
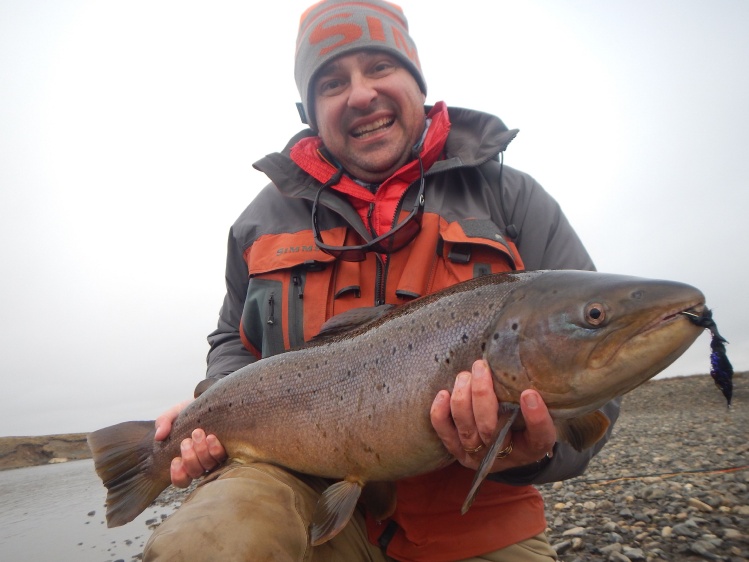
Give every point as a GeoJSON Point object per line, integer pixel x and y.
{"type": "Point", "coordinates": [684, 530]}
{"type": "Point", "coordinates": [700, 505]}
{"type": "Point", "coordinates": [633, 553]}
{"type": "Point", "coordinates": [618, 557]}
{"type": "Point", "coordinates": [616, 547]}
{"type": "Point", "coordinates": [562, 547]}
{"type": "Point", "coordinates": [574, 532]}
{"type": "Point", "coordinates": [732, 535]}
{"type": "Point", "coordinates": [704, 549]}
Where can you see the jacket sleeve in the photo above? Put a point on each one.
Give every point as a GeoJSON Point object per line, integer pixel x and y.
{"type": "Point", "coordinates": [546, 240]}
{"type": "Point", "coordinates": [227, 353]}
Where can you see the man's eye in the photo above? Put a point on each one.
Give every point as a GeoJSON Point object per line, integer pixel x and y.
{"type": "Point", "coordinates": [383, 67]}
{"type": "Point", "coordinates": [330, 86]}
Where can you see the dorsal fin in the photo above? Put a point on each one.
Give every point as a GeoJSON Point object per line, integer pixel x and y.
{"type": "Point", "coordinates": [352, 319]}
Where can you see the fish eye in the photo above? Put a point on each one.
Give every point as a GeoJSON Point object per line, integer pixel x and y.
{"type": "Point", "coordinates": [595, 314]}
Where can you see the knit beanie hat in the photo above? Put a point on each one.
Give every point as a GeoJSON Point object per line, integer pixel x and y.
{"type": "Point", "coordinates": [332, 28]}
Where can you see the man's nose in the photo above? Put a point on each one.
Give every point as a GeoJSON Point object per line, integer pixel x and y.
{"type": "Point", "coordinates": [362, 93]}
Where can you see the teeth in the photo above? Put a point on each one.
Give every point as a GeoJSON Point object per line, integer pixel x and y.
{"type": "Point", "coordinates": [372, 127]}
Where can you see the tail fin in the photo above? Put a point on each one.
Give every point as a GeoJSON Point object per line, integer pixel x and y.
{"type": "Point", "coordinates": [123, 458]}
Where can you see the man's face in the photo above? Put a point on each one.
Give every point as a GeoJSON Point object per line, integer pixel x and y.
{"type": "Point", "coordinates": [369, 112]}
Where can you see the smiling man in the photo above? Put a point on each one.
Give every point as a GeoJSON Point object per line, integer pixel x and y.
{"type": "Point", "coordinates": [380, 201]}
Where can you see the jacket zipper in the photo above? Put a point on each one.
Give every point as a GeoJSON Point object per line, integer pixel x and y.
{"type": "Point", "coordinates": [379, 296]}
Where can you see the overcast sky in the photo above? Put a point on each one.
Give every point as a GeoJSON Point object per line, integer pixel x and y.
{"type": "Point", "coordinates": [128, 131]}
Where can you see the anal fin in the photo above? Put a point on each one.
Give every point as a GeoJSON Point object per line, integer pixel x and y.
{"type": "Point", "coordinates": [333, 510]}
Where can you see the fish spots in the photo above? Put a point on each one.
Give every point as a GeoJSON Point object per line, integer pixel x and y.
{"type": "Point", "coordinates": [381, 386]}
{"type": "Point", "coordinates": [410, 347]}
{"type": "Point", "coordinates": [637, 295]}
{"type": "Point", "coordinates": [464, 338]}
{"type": "Point", "coordinates": [394, 351]}
{"type": "Point", "coordinates": [483, 346]}
{"type": "Point", "coordinates": [514, 326]}
{"type": "Point", "coordinates": [496, 336]}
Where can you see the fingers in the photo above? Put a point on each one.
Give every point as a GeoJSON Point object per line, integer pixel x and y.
{"type": "Point", "coordinates": [474, 406]}
{"type": "Point", "coordinates": [540, 433]}
{"type": "Point", "coordinates": [466, 420]}
{"type": "Point", "coordinates": [199, 454]}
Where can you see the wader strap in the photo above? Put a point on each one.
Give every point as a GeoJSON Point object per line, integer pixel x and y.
{"type": "Point", "coordinates": [387, 535]}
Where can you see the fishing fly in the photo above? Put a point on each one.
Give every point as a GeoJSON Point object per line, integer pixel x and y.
{"type": "Point", "coordinates": [720, 367]}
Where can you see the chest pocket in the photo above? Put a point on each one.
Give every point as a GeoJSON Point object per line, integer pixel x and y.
{"type": "Point", "coordinates": [470, 248]}
{"type": "Point", "coordinates": [288, 291]}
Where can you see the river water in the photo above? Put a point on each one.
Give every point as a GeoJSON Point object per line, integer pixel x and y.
{"type": "Point", "coordinates": [46, 515]}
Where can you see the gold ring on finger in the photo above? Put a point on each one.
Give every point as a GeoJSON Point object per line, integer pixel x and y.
{"type": "Point", "coordinates": [474, 450]}
{"type": "Point", "coordinates": [506, 451]}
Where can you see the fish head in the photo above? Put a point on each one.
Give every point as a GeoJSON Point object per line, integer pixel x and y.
{"type": "Point", "coordinates": [583, 338]}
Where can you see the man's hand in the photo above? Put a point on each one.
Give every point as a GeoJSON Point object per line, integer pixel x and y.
{"type": "Point", "coordinates": [200, 453]}
{"type": "Point", "coordinates": [467, 420]}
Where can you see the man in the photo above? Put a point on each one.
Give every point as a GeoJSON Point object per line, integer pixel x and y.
{"type": "Point", "coordinates": [378, 202]}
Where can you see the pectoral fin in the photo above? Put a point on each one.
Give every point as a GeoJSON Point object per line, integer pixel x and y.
{"type": "Point", "coordinates": [491, 454]}
{"type": "Point", "coordinates": [333, 510]}
{"type": "Point", "coordinates": [583, 432]}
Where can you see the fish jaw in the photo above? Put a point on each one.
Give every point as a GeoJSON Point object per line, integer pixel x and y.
{"type": "Point", "coordinates": [546, 340]}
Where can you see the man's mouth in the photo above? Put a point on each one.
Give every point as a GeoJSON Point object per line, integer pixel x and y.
{"type": "Point", "coordinates": [371, 128]}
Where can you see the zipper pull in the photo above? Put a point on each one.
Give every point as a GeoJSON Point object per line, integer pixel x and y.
{"type": "Point", "coordinates": [297, 280]}
{"type": "Point", "coordinates": [271, 307]}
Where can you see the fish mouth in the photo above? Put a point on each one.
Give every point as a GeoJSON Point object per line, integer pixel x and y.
{"type": "Point", "coordinates": [696, 310]}
{"type": "Point", "coordinates": [369, 129]}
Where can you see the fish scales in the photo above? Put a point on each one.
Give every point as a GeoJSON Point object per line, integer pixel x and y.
{"type": "Point", "coordinates": [354, 404]}
{"type": "Point", "coordinates": [365, 376]}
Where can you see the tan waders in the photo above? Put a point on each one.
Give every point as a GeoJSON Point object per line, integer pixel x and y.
{"type": "Point", "coordinates": [261, 513]}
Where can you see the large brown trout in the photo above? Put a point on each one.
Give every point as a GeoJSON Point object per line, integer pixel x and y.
{"type": "Point", "coordinates": [354, 404]}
